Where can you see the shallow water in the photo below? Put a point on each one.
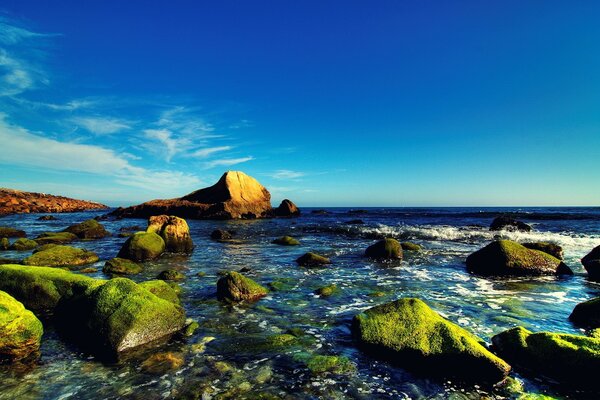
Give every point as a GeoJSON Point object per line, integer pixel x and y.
{"type": "Point", "coordinates": [234, 364]}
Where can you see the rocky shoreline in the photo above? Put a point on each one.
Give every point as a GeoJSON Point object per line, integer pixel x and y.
{"type": "Point", "coordinates": [19, 202]}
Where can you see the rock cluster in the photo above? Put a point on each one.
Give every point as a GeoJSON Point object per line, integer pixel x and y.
{"type": "Point", "coordinates": [17, 202]}
{"type": "Point", "coordinates": [509, 224]}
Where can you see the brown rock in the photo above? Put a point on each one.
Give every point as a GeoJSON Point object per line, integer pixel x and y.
{"type": "Point", "coordinates": [174, 231]}
{"type": "Point", "coordinates": [16, 201]}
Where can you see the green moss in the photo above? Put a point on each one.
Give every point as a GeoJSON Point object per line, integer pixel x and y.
{"type": "Point", "coordinates": [319, 364]}
{"type": "Point", "coordinates": [90, 229]}
{"type": "Point", "coordinates": [8, 232]}
{"type": "Point", "coordinates": [20, 330]}
{"type": "Point", "coordinates": [327, 291]}
{"type": "Point", "coordinates": [171, 275]}
{"type": "Point", "coordinates": [548, 248]}
{"type": "Point", "coordinates": [61, 256]}
{"type": "Point", "coordinates": [4, 244]}
{"type": "Point", "coordinates": [595, 333]}
{"type": "Point", "coordinates": [409, 332]}
{"type": "Point", "coordinates": [377, 294]}
{"type": "Point", "coordinates": [236, 287]}
{"type": "Point", "coordinates": [286, 241]}
{"type": "Point", "coordinates": [142, 246]}
{"type": "Point", "coordinates": [162, 289]}
{"type": "Point", "coordinates": [23, 244]}
{"type": "Point", "coordinates": [385, 249]}
{"type": "Point", "coordinates": [191, 328]}
{"type": "Point", "coordinates": [283, 339]}
{"type": "Point", "coordinates": [312, 260]}
{"type": "Point", "coordinates": [569, 359]}
{"type": "Point", "coordinates": [409, 246]}
{"type": "Point", "coordinates": [55, 238]}
{"type": "Point", "coordinates": [587, 314]}
{"type": "Point", "coordinates": [282, 284]}
{"type": "Point", "coordinates": [121, 266]}
{"type": "Point", "coordinates": [42, 288]}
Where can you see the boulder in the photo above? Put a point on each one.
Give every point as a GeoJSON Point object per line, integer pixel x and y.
{"type": "Point", "coordinates": [327, 291]}
{"type": "Point", "coordinates": [8, 232]}
{"type": "Point", "coordinates": [221, 234]}
{"type": "Point", "coordinates": [162, 289]}
{"type": "Point", "coordinates": [385, 249]}
{"type": "Point", "coordinates": [508, 258]}
{"type": "Point", "coordinates": [4, 243]}
{"type": "Point", "coordinates": [23, 244]}
{"type": "Point", "coordinates": [171, 275]}
{"type": "Point", "coordinates": [504, 222]}
{"type": "Point", "coordinates": [47, 218]}
{"type": "Point", "coordinates": [287, 209]}
{"type": "Point", "coordinates": [587, 314]}
{"type": "Point", "coordinates": [236, 287]}
{"type": "Point", "coordinates": [312, 260]}
{"type": "Point", "coordinates": [286, 241]}
{"type": "Point", "coordinates": [61, 256]}
{"type": "Point", "coordinates": [55, 238]}
{"type": "Point", "coordinates": [20, 330]}
{"type": "Point", "coordinates": [142, 246]}
{"type": "Point", "coordinates": [409, 246]}
{"type": "Point", "coordinates": [90, 229]}
{"type": "Point", "coordinates": [235, 195]}
{"type": "Point", "coordinates": [591, 263]}
{"type": "Point", "coordinates": [568, 359]}
{"type": "Point", "coordinates": [16, 201]}
{"type": "Point", "coordinates": [411, 334]}
{"type": "Point", "coordinates": [174, 231]}
{"type": "Point", "coordinates": [121, 266]}
{"type": "Point", "coordinates": [549, 248]}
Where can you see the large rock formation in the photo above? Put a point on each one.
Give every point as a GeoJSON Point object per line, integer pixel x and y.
{"type": "Point", "coordinates": [17, 202]}
{"type": "Point", "coordinates": [235, 195]}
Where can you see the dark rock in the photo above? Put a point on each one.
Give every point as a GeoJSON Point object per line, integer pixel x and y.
{"type": "Point", "coordinates": [171, 275]}
{"type": "Point", "coordinates": [509, 223]}
{"type": "Point", "coordinates": [121, 266]}
{"type": "Point", "coordinates": [385, 249]}
{"type": "Point", "coordinates": [7, 232]}
{"type": "Point", "coordinates": [4, 244]}
{"type": "Point", "coordinates": [550, 248]}
{"type": "Point", "coordinates": [90, 229]}
{"type": "Point", "coordinates": [47, 218]}
{"type": "Point", "coordinates": [220, 234]}
{"type": "Point", "coordinates": [236, 287]}
{"type": "Point", "coordinates": [286, 241]}
{"type": "Point", "coordinates": [591, 263]}
{"type": "Point", "coordinates": [587, 314]}
{"type": "Point", "coordinates": [287, 209]}
{"type": "Point", "coordinates": [312, 260]}
{"type": "Point", "coordinates": [355, 222]}
{"type": "Point", "coordinates": [23, 244]}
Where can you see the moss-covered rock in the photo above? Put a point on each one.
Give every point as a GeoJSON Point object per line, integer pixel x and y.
{"type": "Point", "coordinates": [23, 244]}
{"type": "Point", "coordinates": [162, 289]}
{"type": "Point", "coordinates": [161, 363]}
{"type": "Point", "coordinates": [327, 291]}
{"type": "Point", "coordinates": [90, 229]}
{"type": "Point", "coordinates": [61, 256]}
{"type": "Point", "coordinates": [9, 232]}
{"type": "Point", "coordinates": [385, 249]}
{"type": "Point", "coordinates": [20, 330]}
{"type": "Point", "coordinates": [410, 333]}
{"type": "Point", "coordinates": [236, 287]}
{"type": "Point", "coordinates": [591, 263]}
{"type": "Point", "coordinates": [42, 288]}
{"type": "Point", "coordinates": [409, 246]}
{"type": "Point", "coordinates": [568, 359]}
{"type": "Point", "coordinates": [282, 284]}
{"type": "Point", "coordinates": [286, 241]}
{"type": "Point", "coordinates": [174, 231]}
{"type": "Point", "coordinates": [587, 314]}
{"type": "Point", "coordinates": [55, 238]}
{"type": "Point", "coordinates": [508, 258]}
{"type": "Point", "coordinates": [4, 243]}
{"type": "Point", "coordinates": [319, 364]}
{"type": "Point", "coordinates": [171, 275]}
{"type": "Point", "coordinates": [549, 248]}
{"type": "Point", "coordinates": [312, 260]}
{"type": "Point", "coordinates": [122, 266]}
{"type": "Point", "coordinates": [142, 246]}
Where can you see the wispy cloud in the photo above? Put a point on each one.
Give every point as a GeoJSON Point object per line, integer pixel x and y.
{"type": "Point", "coordinates": [286, 174]}
{"type": "Point", "coordinates": [10, 34]}
{"type": "Point", "coordinates": [207, 151]}
{"type": "Point", "coordinates": [227, 162]}
{"type": "Point", "coordinates": [101, 125]}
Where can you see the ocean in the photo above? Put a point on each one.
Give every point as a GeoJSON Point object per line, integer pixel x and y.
{"type": "Point", "coordinates": [226, 357]}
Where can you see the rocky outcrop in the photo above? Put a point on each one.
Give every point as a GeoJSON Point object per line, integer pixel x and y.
{"type": "Point", "coordinates": [287, 209]}
{"type": "Point", "coordinates": [61, 256]}
{"type": "Point", "coordinates": [20, 330]}
{"type": "Point", "coordinates": [508, 258]}
{"type": "Point", "coordinates": [18, 202]}
{"type": "Point", "coordinates": [410, 333]}
{"type": "Point", "coordinates": [510, 224]}
{"type": "Point", "coordinates": [235, 195]}
{"type": "Point", "coordinates": [174, 231]}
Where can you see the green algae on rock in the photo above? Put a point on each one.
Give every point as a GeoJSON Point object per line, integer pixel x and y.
{"type": "Point", "coordinates": [4, 243]}
{"type": "Point", "coordinates": [174, 231]}
{"type": "Point", "coordinates": [327, 291]}
{"type": "Point", "coordinates": [171, 275]}
{"type": "Point", "coordinates": [319, 364]}
{"type": "Point", "coordinates": [20, 330]}
{"type": "Point", "coordinates": [236, 287]}
{"type": "Point", "coordinates": [568, 359]}
{"type": "Point", "coordinates": [121, 266]}
{"type": "Point", "coordinates": [162, 289]}
{"type": "Point", "coordinates": [587, 313]}
{"type": "Point", "coordinates": [286, 241]}
{"type": "Point", "coordinates": [55, 238]}
{"type": "Point", "coordinates": [508, 258]}
{"type": "Point", "coordinates": [549, 248]}
{"type": "Point", "coordinates": [385, 249]}
{"type": "Point", "coordinates": [312, 260]}
{"type": "Point", "coordinates": [409, 246]}
{"type": "Point", "coordinates": [90, 229]}
{"type": "Point", "coordinates": [23, 244]}
{"type": "Point", "coordinates": [142, 246]}
{"type": "Point", "coordinates": [61, 256]}
{"type": "Point", "coordinates": [9, 232]}
{"type": "Point", "coordinates": [410, 333]}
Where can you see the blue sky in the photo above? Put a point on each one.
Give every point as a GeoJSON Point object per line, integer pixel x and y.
{"type": "Point", "coordinates": [341, 103]}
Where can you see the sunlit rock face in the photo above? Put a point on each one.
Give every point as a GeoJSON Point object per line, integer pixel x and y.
{"type": "Point", "coordinates": [19, 202]}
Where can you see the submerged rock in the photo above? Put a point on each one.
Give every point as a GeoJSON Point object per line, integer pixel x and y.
{"type": "Point", "coordinates": [287, 209]}
{"type": "Point", "coordinates": [221, 234]}
{"type": "Point", "coordinates": [312, 260]}
{"type": "Point", "coordinates": [121, 266]}
{"type": "Point", "coordinates": [174, 231]}
{"type": "Point", "coordinates": [236, 287]}
{"type": "Point", "coordinates": [90, 229]}
{"type": "Point", "coordinates": [327, 291]}
{"type": "Point", "coordinates": [20, 330]}
{"type": "Point", "coordinates": [587, 314]}
{"type": "Point", "coordinates": [8, 232]}
{"type": "Point", "coordinates": [411, 334]}
{"type": "Point", "coordinates": [549, 248]}
{"type": "Point", "coordinates": [568, 359]}
{"type": "Point", "coordinates": [385, 249]}
{"type": "Point", "coordinates": [47, 218]}
{"type": "Point", "coordinates": [509, 223]}
{"type": "Point", "coordinates": [142, 246]}
{"type": "Point", "coordinates": [508, 258]}
{"type": "Point", "coordinates": [55, 238]}
{"type": "Point", "coordinates": [171, 275]}
{"type": "Point", "coordinates": [4, 243]}
{"type": "Point", "coordinates": [286, 241]}
{"type": "Point", "coordinates": [23, 244]}
{"type": "Point", "coordinates": [61, 256]}
{"type": "Point", "coordinates": [591, 263]}
{"type": "Point", "coordinates": [319, 364]}
{"type": "Point", "coordinates": [409, 246]}
{"type": "Point", "coordinates": [161, 363]}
